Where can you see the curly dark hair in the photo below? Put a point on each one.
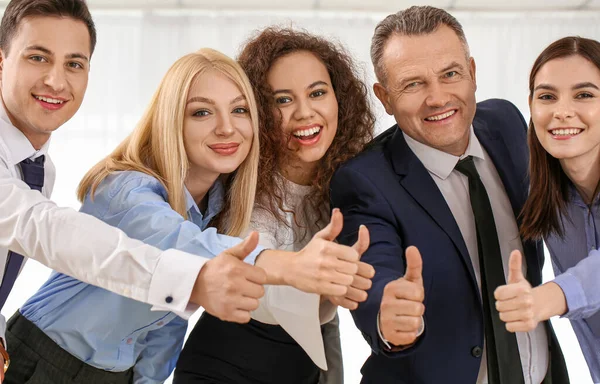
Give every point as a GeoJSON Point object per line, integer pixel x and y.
{"type": "Point", "coordinates": [355, 118]}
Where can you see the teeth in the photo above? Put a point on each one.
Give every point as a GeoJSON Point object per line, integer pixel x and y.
{"type": "Point", "coordinates": [566, 132]}
{"type": "Point", "coordinates": [440, 117]}
{"type": "Point", "coordinates": [49, 100]}
{"type": "Point", "coordinates": [307, 132]}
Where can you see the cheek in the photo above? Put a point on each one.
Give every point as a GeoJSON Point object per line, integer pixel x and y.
{"type": "Point", "coordinates": [541, 117]}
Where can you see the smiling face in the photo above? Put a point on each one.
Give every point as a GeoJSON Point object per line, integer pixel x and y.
{"type": "Point", "coordinates": [565, 109]}
{"type": "Point", "coordinates": [305, 97]}
{"type": "Point", "coordinates": [217, 128]}
{"type": "Point", "coordinates": [430, 88]}
{"type": "Point", "coordinates": [45, 74]}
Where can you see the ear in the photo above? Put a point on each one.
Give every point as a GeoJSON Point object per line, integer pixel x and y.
{"type": "Point", "coordinates": [472, 71]}
{"type": "Point", "coordinates": [2, 57]}
{"type": "Point", "coordinates": [383, 96]}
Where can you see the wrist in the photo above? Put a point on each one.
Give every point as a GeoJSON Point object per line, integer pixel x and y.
{"type": "Point", "coordinates": [276, 264]}
{"type": "Point", "coordinates": [548, 301]}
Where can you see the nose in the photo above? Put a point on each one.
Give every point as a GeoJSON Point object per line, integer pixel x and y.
{"type": "Point", "coordinates": [304, 109]}
{"type": "Point", "coordinates": [224, 126]}
{"type": "Point", "coordinates": [55, 78]}
{"type": "Point", "coordinates": [564, 110]}
{"type": "Point", "coordinates": [438, 97]}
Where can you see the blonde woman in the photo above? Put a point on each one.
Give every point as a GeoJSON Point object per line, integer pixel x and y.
{"type": "Point", "coordinates": [192, 157]}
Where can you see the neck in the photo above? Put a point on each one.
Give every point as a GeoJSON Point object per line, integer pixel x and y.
{"type": "Point", "coordinates": [299, 172]}
{"type": "Point", "coordinates": [198, 183]}
{"type": "Point", "coordinates": [584, 173]}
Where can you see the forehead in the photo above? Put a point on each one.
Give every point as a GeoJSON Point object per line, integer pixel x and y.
{"type": "Point", "coordinates": [297, 69]}
{"type": "Point", "coordinates": [61, 35]}
{"type": "Point", "coordinates": [415, 55]}
{"type": "Point", "coordinates": [567, 71]}
{"type": "Point", "coordinates": [214, 85]}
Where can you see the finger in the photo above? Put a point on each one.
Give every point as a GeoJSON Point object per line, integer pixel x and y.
{"type": "Point", "coordinates": [516, 315]}
{"type": "Point", "coordinates": [344, 302]}
{"type": "Point", "coordinates": [338, 278]}
{"type": "Point", "coordinates": [363, 241]}
{"type": "Point", "coordinates": [343, 266]}
{"type": "Point", "coordinates": [255, 274]}
{"type": "Point", "coordinates": [414, 265]}
{"type": "Point", "coordinates": [401, 338]}
{"type": "Point", "coordinates": [333, 229]}
{"type": "Point", "coordinates": [246, 303]}
{"type": "Point", "coordinates": [365, 270]}
{"type": "Point", "coordinates": [239, 316]}
{"type": "Point", "coordinates": [330, 289]}
{"type": "Point", "coordinates": [520, 326]}
{"type": "Point", "coordinates": [512, 291]}
{"type": "Point", "coordinates": [342, 252]}
{"type": "Point", "coordinates": [407, 323]}
{"type": "Point", "coordinates": [408, 291]}
{"type": "Point", "coordinates": [251, 290]}
{"type": "Point", "coordinates": [243, 249]}
{"type": "Point", "coordinates": [356, 295]}
{"type": "Point", "coordinates": [361, 283]}
{"type": "Point", "coordinates": [403, 308]}
{"type": "Point", "coordinates": [515, 271]}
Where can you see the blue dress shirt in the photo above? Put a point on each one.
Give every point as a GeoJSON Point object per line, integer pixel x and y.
{"type": "Point", "coordinates": [576, 263]}
{"type": "Point", "coordinates": [112, 332]}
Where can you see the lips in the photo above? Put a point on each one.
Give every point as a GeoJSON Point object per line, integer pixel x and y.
{"type": "Point", "coordinates": [49, 102]}
{"type": "Point", "coordinates": [225, 149]}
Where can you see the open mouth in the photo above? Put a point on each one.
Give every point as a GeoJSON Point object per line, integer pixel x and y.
{"type": "Point", "coordinates": [49, 102]}
{"type": "Point", "coordinates": [307, 134]}
{"type": "Point", "coordinates": [441, 116]}
{"type": "Point", "coordinates": [565, 132]}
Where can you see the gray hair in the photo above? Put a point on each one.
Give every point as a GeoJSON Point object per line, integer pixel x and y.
{"type": "Point", "coordinates": [413, 21]}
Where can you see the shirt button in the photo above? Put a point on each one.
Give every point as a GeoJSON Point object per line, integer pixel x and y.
{"type": "Point", "coordinates": [169, 299]}
{"type": "Point", "coordinates": [129, 341]}
{"type": "Point", "coordinates": [476, 351]}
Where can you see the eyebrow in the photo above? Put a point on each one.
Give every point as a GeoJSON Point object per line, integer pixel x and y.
{"type": "Point", "coordinates": [453, 64]}
{"type": "Point", "coordinates": [311, 86]}
{"type": "Point", "coordinates": [201, 99]}
{"type": "Point", "coordinates": [549, 87]}
{"type": "Point", "coordinates": [76, 55]}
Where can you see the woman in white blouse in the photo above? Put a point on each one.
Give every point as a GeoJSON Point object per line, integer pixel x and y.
{"type": "Point", "coordinates": [313, 115]}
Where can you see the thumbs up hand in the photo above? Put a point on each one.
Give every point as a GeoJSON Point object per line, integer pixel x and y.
{"type": "Point", "coordinates": [229, 288]}
{"type": "Point", "coordinates": [401, 311]}
{"type": "Point", "coordinates": [515, 301]}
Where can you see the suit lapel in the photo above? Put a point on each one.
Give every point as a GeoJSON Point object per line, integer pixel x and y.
{"type": "Point", "coordinates": [415, 179]}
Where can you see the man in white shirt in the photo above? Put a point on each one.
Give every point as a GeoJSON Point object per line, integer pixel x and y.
{"type": "Point", "coordinates": [46, 47]}
{"type": "Point", "coordinates": [450, 178]}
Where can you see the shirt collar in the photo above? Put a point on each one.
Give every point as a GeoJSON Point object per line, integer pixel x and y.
{"type": "Point", "coordinates": [18, 145]}
{"type": "Point", "coordinates": [215, 201]}
{"type": "Point", "coordinates": [440, 163]}
{"type": "Point", "coordinates": [575, 197]}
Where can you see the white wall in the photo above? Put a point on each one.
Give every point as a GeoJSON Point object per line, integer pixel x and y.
{"type": "Point", "coordinates": [136, 48]}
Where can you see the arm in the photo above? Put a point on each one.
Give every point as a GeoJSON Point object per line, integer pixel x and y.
{"type": "Point", "coordinates": [90, 250]}
{"type": "Point", "coordinates": [364, 204]}
{"type": "Point", "coordinates": [161, 351]}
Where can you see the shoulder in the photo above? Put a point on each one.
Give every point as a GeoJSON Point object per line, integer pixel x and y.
{"type": "Point", "coordinates": [499, 113]}
{"type": "Point", "coordinates": [373, 157]}
{"type": "Point", "coordinates": [123, 188]}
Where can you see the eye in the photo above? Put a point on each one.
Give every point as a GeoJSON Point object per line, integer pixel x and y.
{"type": "Point", "coordinates": [283, 100]}
{"type": "Point", "coordinates": [412, 85]}
{"type": "Point", "coordinates": [317, 93]}
{"type": "Point", "coordinates": [38, 58]}
{"type": "Point", "coordinates": [450, 74]}
{"type": "Point", "coordinates": [201, 113]}
{"type": "Point", "coordinates": [584, 95]}
{"type": "Point", "coordinates": [240, 110]}
{"type": "Point", "coordinates": [545, 96]}
{"type": "Point", "coordinates": [75, 65]}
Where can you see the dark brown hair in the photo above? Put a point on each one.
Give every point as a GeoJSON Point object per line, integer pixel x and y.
{"type": "Point", "coordinates": [355, 118]}
{"type": "Point", "coordinates": [549, 192]}
{"type": "Point", "coordinates": [17, 10]}
{"type": "Point", "coordinates": [413, 21]}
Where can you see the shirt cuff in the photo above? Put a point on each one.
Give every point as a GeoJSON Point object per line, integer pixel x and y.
{"type": "Point", "coordinates": [173, 281]}
{"type": "Point", "coordinates": [574, 294]}
{"type": "Point", "coordinates": [387, 344]}
{"type": "Point", "coordinates": [251, 258]}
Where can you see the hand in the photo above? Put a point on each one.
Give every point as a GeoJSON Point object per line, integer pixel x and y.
{"type": "Point", "coordinates": [361, 283]}
{"type": "Point", "coordinates": [227, 287]}
{"type": "Point", "coordinates": [325, 267]}
{"type": "Point", "coordinates": [401, 311]}
{"type": "Point", "coordinates": [515, 301]}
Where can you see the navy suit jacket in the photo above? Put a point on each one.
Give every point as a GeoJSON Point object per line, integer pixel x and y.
{"type": "Point", "coordinates": [389, 190]}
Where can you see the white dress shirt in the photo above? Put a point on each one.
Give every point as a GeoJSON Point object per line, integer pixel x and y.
{"type": "Point", "coordinates": [454, 186]}
{"type": "Point", "coordinates": [299, 313]}
{"type": "Point", "coordinates": [80, 245]}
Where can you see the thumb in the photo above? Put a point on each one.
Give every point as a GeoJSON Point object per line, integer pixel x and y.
{"type": "Point", "coordinates": [414, 265]}
{"type": "Point", "coordinates": [363, 241]}
{"type": "Point", "coordinates": [333, 229]}
{"type": "Point", "coordinates": [515, 272]}
{"type": "Point", "coordinates": [243, 249]}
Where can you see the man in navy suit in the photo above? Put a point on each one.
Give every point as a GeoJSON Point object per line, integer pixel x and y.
{"type": "Point", "coordinates": [449, 179]}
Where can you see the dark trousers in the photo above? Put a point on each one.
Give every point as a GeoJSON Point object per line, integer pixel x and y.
{"type": "Point", "coordinates": [37, 359]}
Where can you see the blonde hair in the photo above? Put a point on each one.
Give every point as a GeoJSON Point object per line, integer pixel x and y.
{"type": "Point", "coordinates": [156, 145]}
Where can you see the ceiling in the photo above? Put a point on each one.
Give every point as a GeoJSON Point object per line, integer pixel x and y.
{"type": "Point", "coordinates": [348, 5]}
